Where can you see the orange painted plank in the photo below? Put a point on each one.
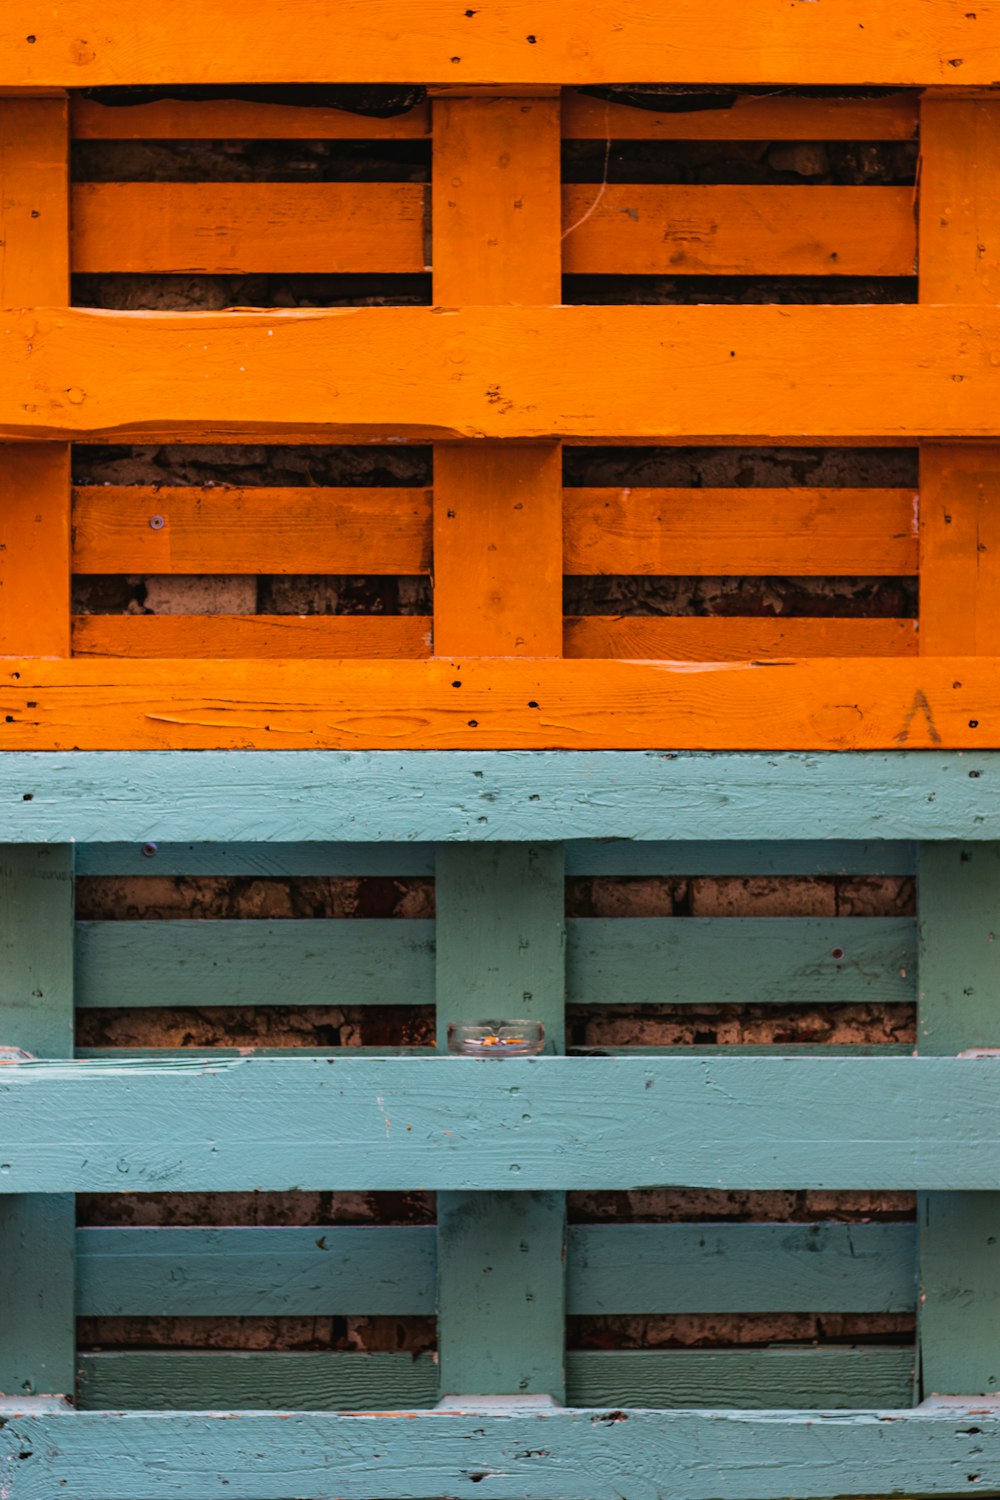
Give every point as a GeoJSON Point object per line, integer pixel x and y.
{"type": "Point", "coordinates": [247, 227]}
{"type": "Point", "coordinates": [238, 119]}
{"type": "Point", "coordinates": [497, 511]}
{"type": "Point", "coordinates": [959, 548]}
{"type": "Point", "coordinates": [501, 703]}
{"type": "Point", "coordinates": [769, 117]}
{"type": "Point", "coordinates": [960, 486]}
{"type": "Point", "coordinates": [804, 532]}
{"type": "Point", "coordinates": [734, 638]}
{"type": "Point", "coordinates": [223, 637]}
{"type": "Point", "coordinates": [498, 550]}
{"type": "Point", "coordinates": [525, 373]}
{"type": "Point", "coordinates": [739, 230]}
{"type": "Point", "coordinates": [496, 201]}
{"type": "Point", "coordinates": [84, 43]}
{"type": "Point", "coordinates": [135, 529]}
{"type": "Point", "coordinates": [34, 481]}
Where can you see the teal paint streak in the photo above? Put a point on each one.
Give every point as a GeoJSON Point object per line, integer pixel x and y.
{"type": "Point", "coordinates": [959, 897]}
{"type": "Point", "coordinates": [548, 1123]}
{"type": "Point", "coordinates": [384, 796]}
{"type": "Point", "coordinates": [501, 1256]}
{"type": "Point", "coordinates": [610, 1268]}
{"type": "Point", "coordinates": [575, 1455]}
{"type": "Point", "coordinates": [680, 960]}
{"type": "Point", "coordinates": [37, 1330]}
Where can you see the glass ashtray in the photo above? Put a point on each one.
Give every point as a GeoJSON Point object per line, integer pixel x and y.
{"type": "Point", "coordinates": [496, 1038]}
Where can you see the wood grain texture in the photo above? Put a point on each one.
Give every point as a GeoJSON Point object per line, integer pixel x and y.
{"type": "Point", "coordinates": [959, 547]}
{"type": "Point", "coordinates": [240, 119]}
{"type": "Point", "coordinates": [610, 1268]}
{"type": "Point", "coordinates": [740, 960]}
{"type": "Point", "coordinates": [85, 44]}
{"type": "Point", "coordinates": [406, 798]}
{"type": "Point", "coordinates": [705, 1455]}
{"type": "Point", "coordinates": [241, 228]}
{"type": "Point", "coordinates": [621, 856]}
{"type": "Point", "coordinates": [36, 1014]}
{"type": "Point", "coordinates": [550, 1124]}
{"type": "Point", "coordinates": [501, 952]}
{"type": "Point", "coordinates": [738, 230]}
{"type": "Point", "coordinates": [731, 637]}
{"type": "Point", "coordinates": [696, 532]}
{"type": "Point", "coordinates": [375, 961]}
{"type": "Point", "coordinates": [255, 530]}
{"type": "Point", "coordinates": [223, 637]}
{"type": "Point", "coordinates": [771, 117]}
{"type": "Point", "coordinates": [831, 1377]}
{"type": "Point", "coordinates": [512, 372]}
{"type": "Point", "coordinates": [851, 703]}
{"type": "Point", "coordinates": [498, 543]}
{"type": "Point", "coordinates": [959, 887]}
{"type": "Point", "coordinates": [34, 484]}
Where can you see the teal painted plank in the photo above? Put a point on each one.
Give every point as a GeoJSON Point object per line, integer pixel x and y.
{"type": "Point", "coordinates": [379, 796]}
{"type": "Point", "coordinates": [263, 860]}
{"type": "Point", "coordinates": [959, 897]}
{"type": "Point", "coordinates": [501, 1256]}
{"type": "Point", "coordinates": [623, 857]}
{"type": "Point", "coordinates": [831, 1376]}
{"type": "Point", "coordinates": [261, 1382]}
{"type": "Point", "coordinates": [680, 960]}
{"type": "Point", "coordinates": [741, 1268]}
{"type": "Point", "coordinates": [611, 1268]}
{"type": "Point", "coordinates": [36, 1014]}
{"type": "Point", "coordinates": [268, 1272]}
{"type": "Point", "coordinates": [741, 960]}
{"type": "Point", "coordinates": [547, 1123]}
{"type": "Point", "coordinates": [610, 857]}
{"type": "Point", "coordinates": [571, 1455]}
{"type": "Point", "coordinates": [381, 961]}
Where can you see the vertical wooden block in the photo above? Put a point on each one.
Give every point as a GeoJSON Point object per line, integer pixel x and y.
{"type": "Point", "coordinates": [37, 1352]}
{"type": "Point", "coordinates": [959, 614]}
{"type": "Point", "coordinates": [34, 478]}
{"type": "Point", "coordinates": [959, 978]}
{"type": "Point", "coordinates": [497, 507]}
{"type": "Point", "coordinates": [501, 955]}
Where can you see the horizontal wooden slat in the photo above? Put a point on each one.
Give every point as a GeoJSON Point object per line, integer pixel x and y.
{"type": "Point", "coordinates": [830, 1377]}
{"type": "Point", "coordinates": [239, 119]}
{"type": "Point", "coordinates": [550, 1123]}
{"type": "Point", "coordinates": [646, 796]}
{"type": "Point", "coordinates": [740, 960]}
{"type": "Point", "coordinates": [181, 529]}
{"type": "Point", "coordinates": [626, 1268]}
{"type": "Point", "coordinates": [711, 532]}
{"type": "Point", "coordinates": [227, 636]}
{"type": "Point", "coordinates": [519, 372]}
{"type": "Point", "coordinates": [240, 228]}
{"type": "Point", "coordinates": [272, 1272]}
{"type": "Point", "coordinates": [334, 859]}
{"type": "Point", "coordinates": [738, 230]}
{"type": "Point", "coordinates": [689, 961]}
{"type": "Point", "coordinates": [767, 118]}
{"type": "Point", "coordinates": [733, 637]}
{"type": "Point", "coordinates": [850, 703]}
{"type": "Point", "coordinates": [87, 43]}
{"type": "Point", "coordinates": [606, 857]}
{"type": "Point", "coordinates": [703, 1455]}
{"type": "Point", "coordinates": [367, 961]}
{"type": "Point", "coordinates": [770, 117]}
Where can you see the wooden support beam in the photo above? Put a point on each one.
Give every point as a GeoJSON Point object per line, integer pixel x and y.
{"type": "Point", "coordinates": [34, 481]}
{"type": "Point", "coordinates": [37, 1309]}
